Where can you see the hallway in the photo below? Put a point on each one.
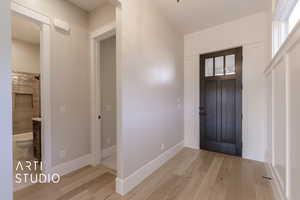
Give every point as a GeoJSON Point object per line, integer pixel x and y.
{"type": "Point", "coordinates": [191, 174]}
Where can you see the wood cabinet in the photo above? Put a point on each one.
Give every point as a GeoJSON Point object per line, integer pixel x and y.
{"type": "Point", "coordinates": [37, 150]}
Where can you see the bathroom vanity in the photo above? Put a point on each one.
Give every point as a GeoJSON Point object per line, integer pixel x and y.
{"type": "Point", "coordinates": [37, 127]}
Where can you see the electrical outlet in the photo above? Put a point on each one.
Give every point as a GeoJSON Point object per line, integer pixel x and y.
{"type": "Point", "coordinates": [162, 147]}
{"type": "Point", "coordinates": [62, 154]}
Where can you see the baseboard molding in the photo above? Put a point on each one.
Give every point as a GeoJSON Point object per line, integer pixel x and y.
{"type": "Point", "coordinates": [191, 146]}
{"type": "Point", "coordinates": [123, 186]}
{"type": "Point", "coordinates": [275, 183]}
{"type": "Point", "coordinates": [70, 166]}
{"type": "Point", "coordinates": [109, 151]}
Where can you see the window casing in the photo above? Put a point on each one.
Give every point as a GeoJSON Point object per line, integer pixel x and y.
{"type": "Point", "coordinates": [285, 18]}
{"type": "Point", "coordinates": [294, 17]}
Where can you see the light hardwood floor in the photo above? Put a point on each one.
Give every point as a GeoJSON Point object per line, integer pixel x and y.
{"type": "Point", "coordinates": [190, 175]}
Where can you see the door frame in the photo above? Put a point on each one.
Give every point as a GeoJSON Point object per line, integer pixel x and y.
{"type": "Point", "coordinates": [239, 62]}
{"type": "Point", "coordinates": [44, 23]}
{"type": "Point", "coordinates": [95, 41]}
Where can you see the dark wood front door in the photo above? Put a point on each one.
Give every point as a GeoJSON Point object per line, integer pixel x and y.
{"type": "Point", "coordinates": [221, 101]}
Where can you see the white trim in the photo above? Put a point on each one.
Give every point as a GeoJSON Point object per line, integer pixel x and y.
{"type": "Point", "coordinates": [44, 23]}
{"type": "Point", "coordinates": [275, 183]}
{"type": "Point", "coordinates": [29, 13]}
{"type": "Point", "coordinates": [279, 35]}
{"type": "Point", "coordinates": [123, 186]}
{"type": "Point", "coordinates": [70, 166]}
{"type": "Point", "coordinates": [6, 158]}
{"type": "Point", "coordinates": [120, 160]}
{"type": "Point", "coordinates": [109, 151]}
{"type": "Point", "coordinates": [115, 2]}
{"type": "Point", "coordinates": [104, 32]}
{"type": "Point", "coordinates": [95, 110]}
{"type": "Point", "coordinates": [284, 189]}
{"type": "Point", "coordinates": [287, 124]}
{"type": "Point", "coordinates": [46, 98]}
{"type": "Point", "coordinates": [95, 38]}
{"type": "Point", "coordinates": [292, 39]}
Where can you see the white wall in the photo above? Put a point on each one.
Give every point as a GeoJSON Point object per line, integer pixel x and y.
{"type": "Point", "coordinates": [252, 34]}
{"type": "Point", "coordinates": [25, 56]}
{"type": "Point", "coordinates": [108, 92]}
{"type": "Point", "coordinates": [5, 103]}
{"type": "Point", "coordinates": [102, 16]}
{"type": "Point", "coordinates": [151, 80]}
{"type": "Point", "coordinates": [70, 81]}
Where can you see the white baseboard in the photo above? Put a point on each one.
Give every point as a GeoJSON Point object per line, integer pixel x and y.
{"type": "Point", "coordinates": [123, 186]}
{"type": "Point", "coordinates": [275, 183]}
{"type": "Point", "coordinates": [109, 151]}
{"type": "Point", "coordinates": [191, 147]}
{"type": "Point", "coordinates": [70, 166]}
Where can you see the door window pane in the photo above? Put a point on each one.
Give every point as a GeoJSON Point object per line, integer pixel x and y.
{"type": "Point", "coordinates": [209, 67]}
{"type": "Point", "coordinates": [230, 64]}
{"type": "Point", "coordinates": [219, 66]}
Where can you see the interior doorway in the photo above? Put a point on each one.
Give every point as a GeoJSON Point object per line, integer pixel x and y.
{"type": "Point", "coordinates": [221, 101]}
{"type": "Point", "coordinates": [31, 95]}
{"type": "Point", "coordinates": [104, 99]}
{"type": "Point", "coordinates": [26, 95]}
{"type": "Point", "coordinates": [108, 102]}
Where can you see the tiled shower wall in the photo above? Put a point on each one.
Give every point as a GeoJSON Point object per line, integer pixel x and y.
{"type": "Point", "coordinates": [26, 101]}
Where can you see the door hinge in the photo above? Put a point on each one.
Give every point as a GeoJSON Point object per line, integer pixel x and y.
{"type": "Point", "coordinates": [242, 116]}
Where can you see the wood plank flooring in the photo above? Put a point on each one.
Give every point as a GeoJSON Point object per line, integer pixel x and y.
{"type": "Point", "coordinates": [190, 175]}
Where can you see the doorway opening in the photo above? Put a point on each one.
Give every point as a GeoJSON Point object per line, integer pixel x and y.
{"type": "Point", "coordinates": [108, 102]}
{"type": "Point", "coordinates": [104, 97]}
{"type": "Point", "coordinates": [221, 101]}
{"type": "Point", "coordinates": [30, 95]}
{"type": "Point", "coordinates": [26, 93]}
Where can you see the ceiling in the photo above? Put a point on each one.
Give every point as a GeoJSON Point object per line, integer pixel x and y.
{"type": "Point", "coordinates": [193, 15]}
{"type": "Point", "coordinates": [25, 30]}
{"type": "Point", "coordinates": [88, 5]}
